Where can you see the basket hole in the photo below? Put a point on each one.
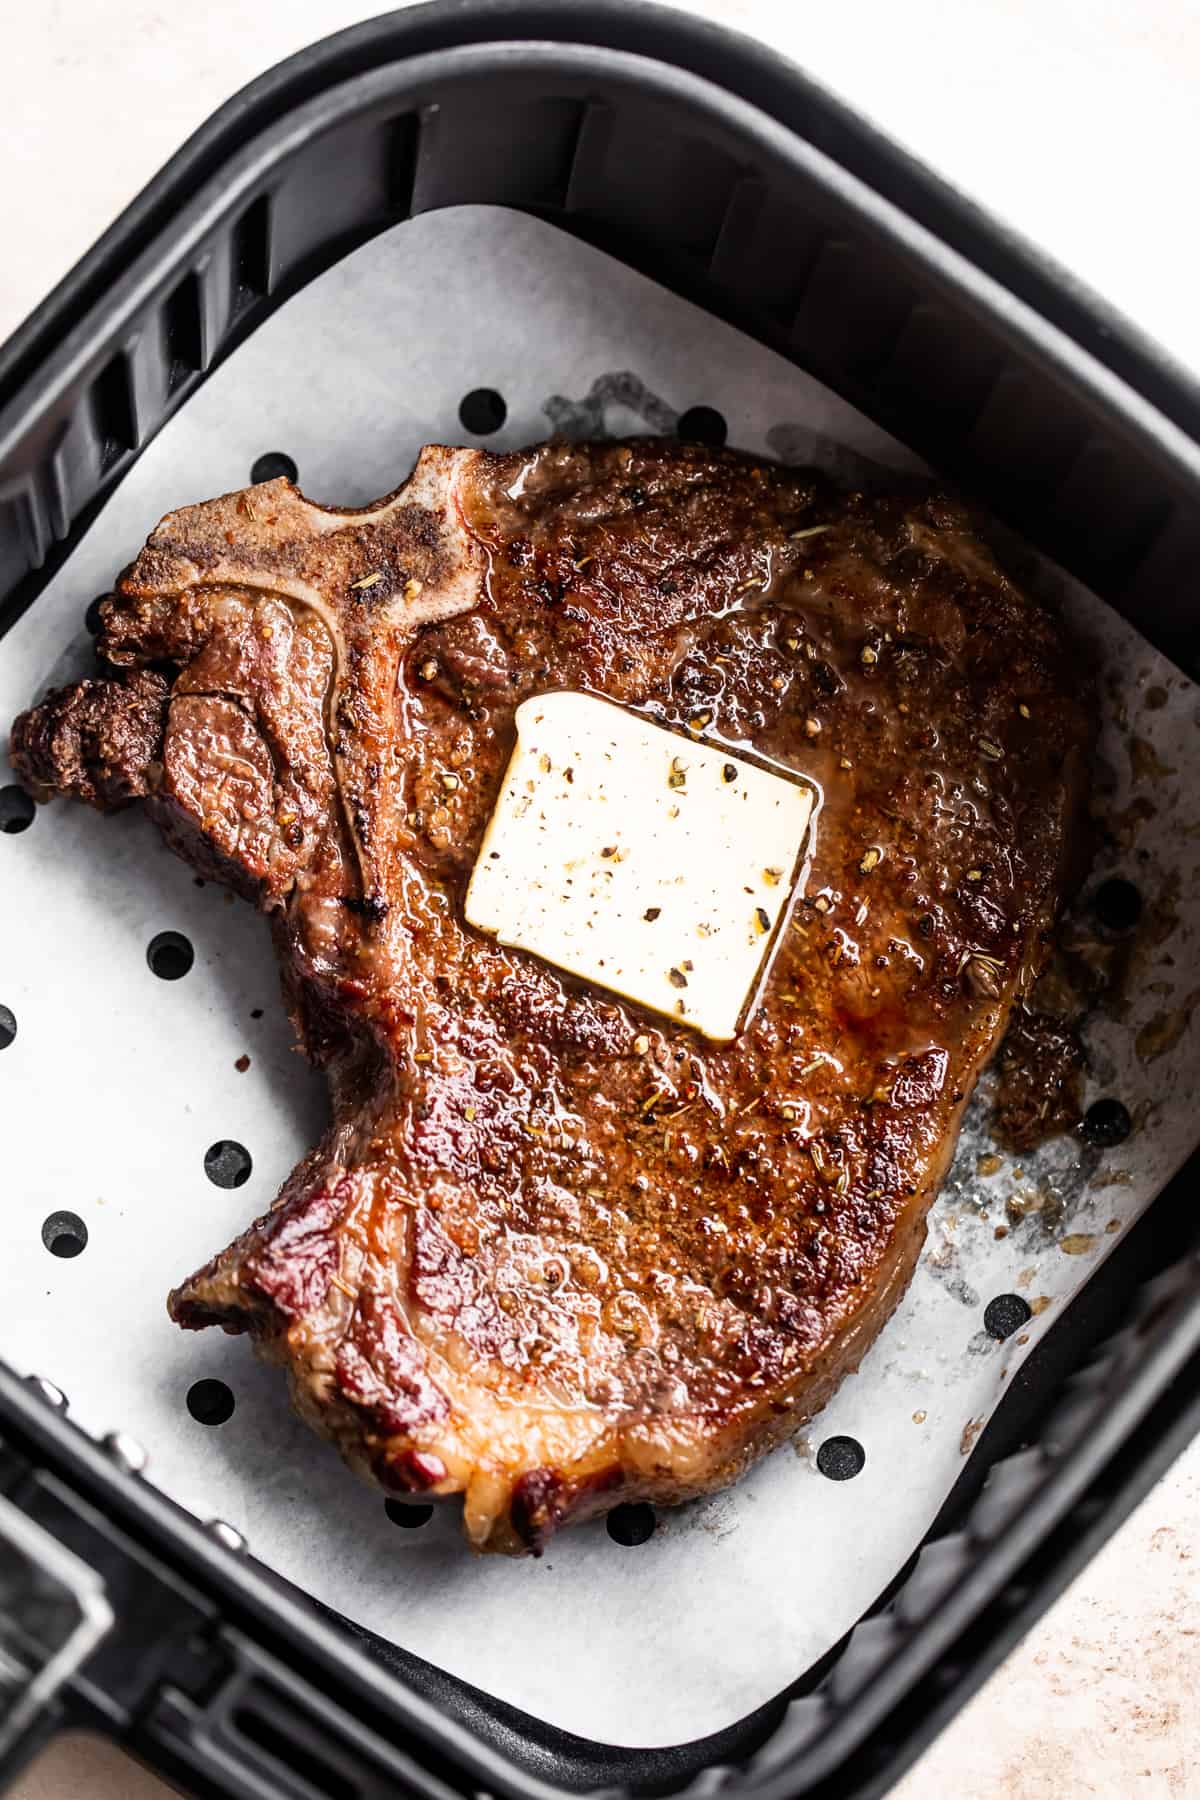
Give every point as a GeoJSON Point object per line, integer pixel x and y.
{"type": "Point", "coordinates": [1006, 1314]}
{"type": "Point", "coordinates": [170, 955]}
{"type": "Point", "coordinates": [210, 1401]}
{"type": "Point", "coordinates": [841, 1458]}
{"type": "Point", "coordinates": [406, 1515]}
{"type": "Point", "coordinates": [702, 425]}
{"type": "Point", "coordinates": [64, 1234]}
{"type": "Point", "coordinates": [1106, 1123]}
{"type": "Point", "coordinates": [16, 810]}
{"type": "Point", "coordinates": [482, 411]}
{"type": "Point", "coordinates": [227, 1163]}
{"type": "Point", "coordinates": [271, 465]}
{"type": "Point", "coordinates": [1117, 904]}
{"type": "Point", "coordinates": [8, 1026]}
{"type": "Point", "coordinates": [632, 1523]}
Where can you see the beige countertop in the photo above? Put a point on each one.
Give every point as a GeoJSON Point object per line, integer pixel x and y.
{"type": "Point", "coordinates": [1076, 121]}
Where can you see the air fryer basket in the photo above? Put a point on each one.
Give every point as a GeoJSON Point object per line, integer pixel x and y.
{"type": "Point", "coordinates": [707, 164]}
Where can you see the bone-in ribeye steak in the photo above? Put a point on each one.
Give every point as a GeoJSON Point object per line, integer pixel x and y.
{"type": "Point", "coordinates": [555, 1252]}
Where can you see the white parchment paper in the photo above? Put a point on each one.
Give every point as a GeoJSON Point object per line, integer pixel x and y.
{"type": "Point", "coordinates": [117, 1082]}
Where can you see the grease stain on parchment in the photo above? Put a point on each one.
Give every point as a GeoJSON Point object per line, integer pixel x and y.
{"type": "Point", "coordinates": [592, 417]}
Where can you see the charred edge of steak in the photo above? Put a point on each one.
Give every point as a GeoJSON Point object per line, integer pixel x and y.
{"type": "Point", "coordinates": [537, 1507]}
{"type": "Point", "coordinates": [288, 1270]}
{"type": "Point", "coordinates": [543, 1500]}
{"type": "Point", "coordinates": [99, 740]}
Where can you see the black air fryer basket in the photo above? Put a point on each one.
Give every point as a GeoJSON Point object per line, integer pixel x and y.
{"type": "Point", "coordinates": [706, 163]}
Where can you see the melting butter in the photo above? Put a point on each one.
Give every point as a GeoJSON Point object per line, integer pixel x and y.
{"type": "Point", "coordinates": [639, 859]}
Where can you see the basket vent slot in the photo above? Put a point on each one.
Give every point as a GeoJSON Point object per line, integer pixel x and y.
{"type": "Point", "coordinates": [852, 311]}
{"type": "Point", "coordinates": [766, 250]}
{"type": "Point", "coordinates": [24, 535]}
{"type": "Point", "coordinates": [250, 257]}
{"type": "Point", "coordinates": [640, 179]}
{"type": "Point", "coordinates": [112, 409]}
{"type": "Point", "coordinates": [403, 144]}
{"type": "Point", "coordinates": [939, 372]}
{"type": "Point", "coordinates": [1021, 435]}
{"type": "Point", "coordinates": [183, 340]}
{"type": "Point", "coordinates": [295, 1751]}
{"type": "Point", "coordinates": [1118, 513]}
{"type": "Point", "coordinates": [525, 154]}
{"type": "Point", "coordinates": [565, 120]}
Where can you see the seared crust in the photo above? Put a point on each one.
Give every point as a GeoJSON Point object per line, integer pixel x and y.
{"type": "Point", "coordinates": [93, 739]}
{"type": "Point", "coordinates": [553, 1252]}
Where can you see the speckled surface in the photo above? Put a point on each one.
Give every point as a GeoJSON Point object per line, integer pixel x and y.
{"type": "Point", "coordinates": [1101, 1699]}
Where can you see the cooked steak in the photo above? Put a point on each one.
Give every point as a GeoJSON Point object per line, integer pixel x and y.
{"type": "Point", "coordinates": [555, 1252]}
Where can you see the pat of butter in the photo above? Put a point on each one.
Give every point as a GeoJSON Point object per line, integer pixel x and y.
{"type": "Point", "coordinates": [639, 859]}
